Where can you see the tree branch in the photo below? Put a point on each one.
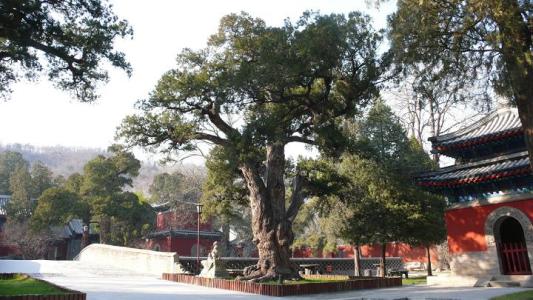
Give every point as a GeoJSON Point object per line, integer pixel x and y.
{"type": "Point", "coordinates": [211, 138]}
{"type": "Point", "coordinates": [51, 50]}
{"type": "Point", "coordinates": [300, 139]}
{"type": "Point", "coordinates": [297, 198]}
{"type": "Point", "coordinates": [215, 118]}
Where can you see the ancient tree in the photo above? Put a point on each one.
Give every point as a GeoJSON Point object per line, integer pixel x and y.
{"type": "Point", "coordinates": [253, 90]}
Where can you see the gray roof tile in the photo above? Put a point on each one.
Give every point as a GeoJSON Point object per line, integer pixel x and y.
{"type": "Point", "coordinates": [499, 164]}
{"type": "Point", "coordinates": [499, 121]}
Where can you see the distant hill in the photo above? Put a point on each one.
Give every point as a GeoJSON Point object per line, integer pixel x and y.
{"type": "Point", "coordinates": [67, 160]}
{"type": "Point", "coordinates": [61, 160]}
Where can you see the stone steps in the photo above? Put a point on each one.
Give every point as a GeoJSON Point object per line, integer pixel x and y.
{"type": "Point", "coordinates": [494, 283]}
{"type": "Point", "coordinates": [506, 281]}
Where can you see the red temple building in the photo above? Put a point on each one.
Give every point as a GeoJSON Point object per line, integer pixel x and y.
{"type": "Point", "coordinates": [177, 232]}
{"type": "Point", "coordinates": [490, 195]}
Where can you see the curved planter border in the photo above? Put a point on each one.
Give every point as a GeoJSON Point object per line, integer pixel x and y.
{"type": "Point", "coordinates": [352, 283]}
{"type": "Point", "coordinates": [68, 295]}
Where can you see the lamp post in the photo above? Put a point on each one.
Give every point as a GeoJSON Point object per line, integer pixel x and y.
{"type": "Point", "coordinates": [199, 212]}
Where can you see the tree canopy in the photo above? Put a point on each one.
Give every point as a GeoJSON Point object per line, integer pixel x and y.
{"type": "Point", "coordinates": [98, 195]}
{"type": "Point", "coordinates": [9, 162]}
{"type": "Point", "coordinates": [377, 202]}
{"type": "Point", "coordinates": [70, 40]}
{"type": "Point", "coordinates": [22, 183]}
{"type": "Point", "coordinates": [254, 89]}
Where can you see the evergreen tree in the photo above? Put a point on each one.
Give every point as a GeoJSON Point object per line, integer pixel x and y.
{"type": "Point", "coordinates": [20, 206]}
{"type": "Point", "coordinates": [380, 203]}
{"type": "Point", "coordinates": [57, 206]}
{"type": "Point", "coordinates": [42, 179]}
{"type": "Point", "coordinates": [290, 84]}
{"type": "Point", "coordinates": [9, 162]}
{"type": "Point", "coordinates": [98, 195]}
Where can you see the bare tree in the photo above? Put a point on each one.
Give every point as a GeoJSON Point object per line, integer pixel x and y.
{"type": "Point", "coordinates": [431, 104]}
{"type": "Point", "coordinates": [33, 244]}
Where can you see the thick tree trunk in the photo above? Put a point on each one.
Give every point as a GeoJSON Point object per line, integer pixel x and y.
{"type": "Point", "coordinates": [430, 272]}
{"type": "Point", "coordinates": [383, 263]}
{"type": "Point", "coordinates": [356, 260]}
{"type": "Point", "coordinates": [271, 223]}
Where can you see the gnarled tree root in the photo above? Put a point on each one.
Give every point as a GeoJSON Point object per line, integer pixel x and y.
{"type": "Point", "coordinates": [254, 274]}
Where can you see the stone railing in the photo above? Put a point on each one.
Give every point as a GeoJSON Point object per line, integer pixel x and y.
{"type": "Point", "coordinates": [137, 260]}
{"type": "Point", "coordinates": [156, 263]}
{"type": "Point", "coordinates": [341, 266]}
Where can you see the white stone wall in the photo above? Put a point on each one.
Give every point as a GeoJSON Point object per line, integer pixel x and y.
{"type": "Point", "coordinates": [479, 263]}
{"type": "Point", "coordinates": [136, 260]}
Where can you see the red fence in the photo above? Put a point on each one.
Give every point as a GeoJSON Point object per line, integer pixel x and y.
{"type": "Point", "coordinates": [286, 289]}
{"type": "Point", "coordinates": [514, 258]}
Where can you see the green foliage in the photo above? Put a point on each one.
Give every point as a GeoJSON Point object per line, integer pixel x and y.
{"type": "Point", "coordinates": [414, 280]}
{"type": "Point", "coordinates": [525, 295]}
{"type": "Point", "coordinates": [132, 221]}
{"type": "Point", "coordinates": [293, 83]}
{"type": "Point", "coordinates": [483, 41]}
{"type": "Point", "coordinates": [20, 206]}
{"type": "Point", "coordinates": [42, 179]}
{"type": "Point", "coordinates": [315, 231]}
{"type": "Point", "coordinates": [167, 188]}
{"type": "Point", "coordinates": [224, 188]}
{"type": "Point", "coordinates": [377, 212]}
{"type": "Point", "coordinates": [57, 206]}
{"type": "Point", "coordinates": [225, 197]}
{"type": "Point", "coordinates": [9, 162]}
{"type": "Point", "coordinates": [290, 83]}
{"type": "Point", "coordinates": [101, 187]}
{"type": "Point", "coordinates": [73, 183]}
{"type": "Point", "coordinates": [377, 201]}
{"type": "Point", "coordinates": [24, 285]}
{"type": "Point", "coordinates": [23, 185]}
{"type": "Point", "coordinates": [98, 195]}
{"type": "Point", "coordinates": [69, 39]}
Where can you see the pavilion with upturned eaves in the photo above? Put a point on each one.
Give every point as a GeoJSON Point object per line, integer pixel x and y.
{"type": "Point", "coordinates": [490, 195]}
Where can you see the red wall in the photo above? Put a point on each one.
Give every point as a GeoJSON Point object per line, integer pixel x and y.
{"type": "Point", "coordinates": [406, 252]}
{"type": "Point", "coordinates": [466, 226]}
{"type": "Point", "coordinates": [181, 245]}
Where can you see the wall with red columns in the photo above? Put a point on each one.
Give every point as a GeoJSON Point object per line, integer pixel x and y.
{"type": "Point", "coordinates": [466, 226]}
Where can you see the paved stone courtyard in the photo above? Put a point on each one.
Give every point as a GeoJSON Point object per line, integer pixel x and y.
{"type": "Point", "coordinates": [105, 283]}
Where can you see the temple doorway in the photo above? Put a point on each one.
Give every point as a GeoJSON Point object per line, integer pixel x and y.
{"type": "Point", "coordinates": [512, 247]}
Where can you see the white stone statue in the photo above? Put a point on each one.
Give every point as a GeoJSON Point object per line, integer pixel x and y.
{"type": "Point", "coordinates": [213, 266]}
